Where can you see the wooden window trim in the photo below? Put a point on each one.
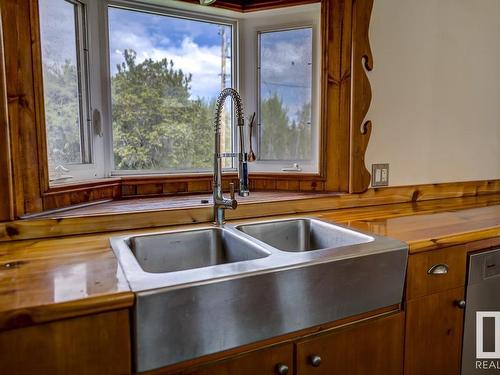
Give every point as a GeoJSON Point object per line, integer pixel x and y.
{"type": "Point", "coordinates": [344, 136]}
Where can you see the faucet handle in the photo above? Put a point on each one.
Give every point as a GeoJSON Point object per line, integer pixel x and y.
{"type": "Point", "coordinates": [231, 190]}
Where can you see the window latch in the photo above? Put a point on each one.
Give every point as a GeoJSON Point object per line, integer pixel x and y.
{"type": "Point", "coordinates": [96, 122]}
{"type": "Point", "coordinates": [293, 168]}
{"type": "Point", "coordinates": [60, 174]}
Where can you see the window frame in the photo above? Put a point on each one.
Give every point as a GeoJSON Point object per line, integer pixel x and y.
{"type": "Point", "coordinates": [102, 164]}
{"type": "Point", "coordinates": [280, 20]}
{"type": "Point", "coordinates": [345, 98]}
{"type": "Point", "coordinates": [84, 168]}
{"type": "Point", "coordinates": [167, 11]}
{"type": "Point", "coordinates": [259, 179]}
{"type": "Point", "coordinates": [312, 165]}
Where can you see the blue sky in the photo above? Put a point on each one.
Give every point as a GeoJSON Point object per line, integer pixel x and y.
{"type": "Point", "coordinates": [194, 47]}
{"type": "Point", "coordinates": [286, 67]}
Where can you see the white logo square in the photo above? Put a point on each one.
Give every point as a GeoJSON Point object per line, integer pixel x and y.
{"type": "Point", "coordinates": [480, 353]}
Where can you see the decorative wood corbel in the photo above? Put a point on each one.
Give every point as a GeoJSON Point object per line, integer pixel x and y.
{"type": "Point", "coordinates": [360, 129]}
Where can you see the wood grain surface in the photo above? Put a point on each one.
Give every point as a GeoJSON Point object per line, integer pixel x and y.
{"type": "Point", "coordinates": [159, 212]}
{"type": "Point", "coordinates": [43, 280]}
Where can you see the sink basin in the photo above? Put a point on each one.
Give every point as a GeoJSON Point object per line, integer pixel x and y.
{"type": "Point", "coordinates": [303, 234]}
{"type": "Point", "coordinates": [177, 251]}
{"type": "Point", "coordinates": [217, 288]}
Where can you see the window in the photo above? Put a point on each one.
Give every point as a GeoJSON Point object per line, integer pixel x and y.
{"type": "Point", "coordinates": [130, 87]}
{"type": "Point", "coordinates": [285, 94]}
{"type": "Point", "coordinates": [66, 98]}
{"type": "Point", "coordinates": [166, 74]}
{"type": "Point", "coordinates": [281, 73]}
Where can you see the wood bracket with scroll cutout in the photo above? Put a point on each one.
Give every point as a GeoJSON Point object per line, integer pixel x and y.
{"type": "Point", "coordinates": [362, 61]}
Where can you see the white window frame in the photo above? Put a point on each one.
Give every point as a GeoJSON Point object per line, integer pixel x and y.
{"type": "Point", "coordinates": [245, 28]}
{"type": "Point", "coordinates": [90, 167]}
{"type": "Point", "coordinates": [297, 17]}
{"type": "Point", "coordinates": [169, 12]}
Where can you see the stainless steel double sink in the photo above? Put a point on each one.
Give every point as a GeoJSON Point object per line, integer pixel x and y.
{"type": "Point", "coordinates": [206, 290]}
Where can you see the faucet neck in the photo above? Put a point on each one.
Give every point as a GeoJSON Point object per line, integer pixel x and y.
{"type": "Point", "coordinates": [220, 203]}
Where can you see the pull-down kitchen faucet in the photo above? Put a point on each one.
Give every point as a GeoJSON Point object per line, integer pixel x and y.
{"type": "Point", "coordinates": [221, 203]}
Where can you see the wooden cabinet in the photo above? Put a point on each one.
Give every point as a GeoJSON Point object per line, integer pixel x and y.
{"type": "Point", "coordinates": [434, 320]}
{"type": "Point", "coordinates": [276, 360]}
{"type": "Point", "coordinates": [93, 344]}
{"type": "Point", "coordinates": [372, 346]}
{"type": "Point", "coordinates": [369, 348]}
{"type": "Point", "coordinates": [425, 271]}
{"type": "Point", "coordinates": [434, 334]}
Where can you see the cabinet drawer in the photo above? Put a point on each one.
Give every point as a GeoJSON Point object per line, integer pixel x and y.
{"type": "Point", "coordinates": [270, 361]}
{"type": "Point", "coordinates": [435, 271]}
{"type": "Point", "coordinates": [374, 347]}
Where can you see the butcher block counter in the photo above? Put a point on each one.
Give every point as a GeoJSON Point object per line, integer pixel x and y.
{"type": "Point", "coordinates": [43, 280]}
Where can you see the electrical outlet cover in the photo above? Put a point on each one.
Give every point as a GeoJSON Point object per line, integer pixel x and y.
{"type": "Point", "coordinates": [380, 175]}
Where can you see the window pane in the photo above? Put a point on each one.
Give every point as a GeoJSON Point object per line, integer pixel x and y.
{"type": "Point", "coordinates": [285, 74]}
{"type": "Point", "coordinates": [166, 73]}
{"type": "Point", "coordinates": [61, 83]}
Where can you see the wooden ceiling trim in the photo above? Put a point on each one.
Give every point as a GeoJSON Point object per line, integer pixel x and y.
{"type": "Point", "coordinates": [255, 5]}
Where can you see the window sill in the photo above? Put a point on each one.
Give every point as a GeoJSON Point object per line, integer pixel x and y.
{"type": "Point", "coordinates": [141, 205]}
{"type": "Point", "coordinates": [65, 195]}
{"type": "Point", "coordinates": [160, 212]}
{"type": "Point", "coordinates": [74, 186]}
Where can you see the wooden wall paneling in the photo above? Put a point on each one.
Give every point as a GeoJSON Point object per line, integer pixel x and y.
{"type": "Point", "coordinates": [36, 52]}
{"type": "Point", "coordinates": [66, 199]}
{"type": "Point", "coordinates": [6, 192]}
{"type": "Point", "coordinates": [336, 92]}
{"type": "Point", "coordinates": [22, 114]}
{"type": "Point", "coordinates": [362, 61]}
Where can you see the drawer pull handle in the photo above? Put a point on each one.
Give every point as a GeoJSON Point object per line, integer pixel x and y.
{"type": "Point", "coordinates": [281, 369]}
{"type": "Point", "coordinates": [438, 269]}
{"type": "Point", "coordinates": [315, 360]}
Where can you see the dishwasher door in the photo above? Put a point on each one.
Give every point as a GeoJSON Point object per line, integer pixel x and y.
{"type": "Point", "coordinates": [483, 297]}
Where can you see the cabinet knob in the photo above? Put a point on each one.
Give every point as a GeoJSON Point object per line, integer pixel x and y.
{"type": "Point", "coordinates": [281, 369]}
{"type": "Point", "coordinates": [315, 360]}
{"type": "Point", "coordinates": [461, 304]}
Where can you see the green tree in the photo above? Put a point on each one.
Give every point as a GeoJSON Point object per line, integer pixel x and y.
{"type": "Point", "coordinates": [155, 123]}
{"type": "Point", "coordinates": [303, 133]}
{"type": "Point", "coordinates": [282, 138]}
{"type": "Point", "coordinates": [275, 130]}
{"type": "Point", "coordinates": [62, 117]}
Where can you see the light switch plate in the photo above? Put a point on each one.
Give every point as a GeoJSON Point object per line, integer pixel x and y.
{"type": "Point", "coordinates": [380, 175]}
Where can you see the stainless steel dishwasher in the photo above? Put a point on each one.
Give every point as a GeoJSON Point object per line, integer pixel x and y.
{"type": "Point", "coordinates": [483, 297]}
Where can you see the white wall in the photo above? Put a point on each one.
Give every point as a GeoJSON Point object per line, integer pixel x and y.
{"type": "Point", "coordinates": [436, 90]}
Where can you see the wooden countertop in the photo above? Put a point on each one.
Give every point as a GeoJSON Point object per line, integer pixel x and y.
{"type": "Point", "coordinates": [424, 231]}
{"type": "Point", "coordinates": [49, 279]}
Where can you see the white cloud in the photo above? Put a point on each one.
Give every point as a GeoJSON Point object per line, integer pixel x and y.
{"type": "Point", "coordinates": [203, 62]}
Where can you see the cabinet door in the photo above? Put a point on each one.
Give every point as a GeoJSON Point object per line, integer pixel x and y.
{"type": "Point", "coordinates": [277, 360]}
{"type": "Point", "coordinates": [92, 344]}
{"type": "Point", "coordinates": [434, 334]}
{"type": "Point", "coordinates": [373, 347]}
